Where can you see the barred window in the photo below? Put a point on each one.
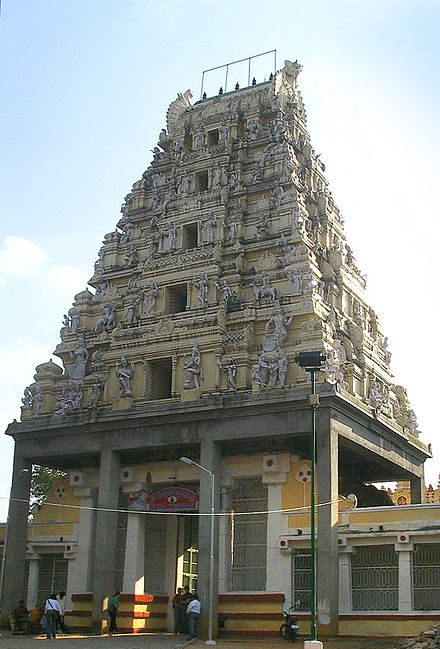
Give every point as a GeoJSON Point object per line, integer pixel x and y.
{"type": "Point", "coordinates": [426, 576]}
{"type": "Point", "coordinates": [249, 535]}
{"type": "Point", "coordinates": [375, 578]}
{"type": "Point", "coordinates": [301, 565]}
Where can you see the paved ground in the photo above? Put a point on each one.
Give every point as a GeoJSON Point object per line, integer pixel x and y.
{"type": "Point", "coordinates": [169, 641]}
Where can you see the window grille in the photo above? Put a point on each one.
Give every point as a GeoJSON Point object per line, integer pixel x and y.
{"type": "Point", "coordinates": [375, 578]}
{"type": "Point", "coordinates": [426, 576]}
{"type": "Point", "coordinates": [249, 535]}
{"type": "Point", "coordinates": [301, 590]}
{"type": "Point", "coordinates": [190, 552]}
{"type": "Point", "coordinates": [52, 575]}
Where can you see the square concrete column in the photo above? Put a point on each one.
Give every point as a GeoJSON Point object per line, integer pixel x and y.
{"type": "Point", "coordinates": [224, 536]}
{"type": "Point", "coordinates": [78, 578]}
{"type": "Point", "coordinates": [345, 605]}
{"type": "Point", "coordinates": [14, 558]}
{"type": "Point", "coordinates": [134, 565]}
{"type": "Point", "coordinates": [103, 583]}
{"type": "Point", "coordinates": [32, 592]}
{"type": "Point", "coordinates": [417, 485]}
{"type": "Point", "coordinates": [404, 551]}
{"type": "Point", "coordinates": [327, 537]}
{"type": "Point", "coordinates": [171, 570]}
{"type": "Point", "coordinates": [210, 458]}
{"type": "Point", "coordinates": [278, 565]}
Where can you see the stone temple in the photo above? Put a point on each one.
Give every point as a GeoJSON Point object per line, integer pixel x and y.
{"type": "Point", "coordinates": [229, 259]}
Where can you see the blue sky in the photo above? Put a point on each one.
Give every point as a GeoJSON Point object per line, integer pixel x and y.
{"type": "Point", "coordinates": [84, 90]}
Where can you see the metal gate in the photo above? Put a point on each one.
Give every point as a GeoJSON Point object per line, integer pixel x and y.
{"type": "Point", "coordinates": [52, 575]}
{"type": "Point", "coordinates": [375, 578]}
{"type": "Point", "coordinates": [426, 576]}
{"type": "Point", "coordinates": [301, 590]}
{"type": "Point", "coordinates": [249, 534]}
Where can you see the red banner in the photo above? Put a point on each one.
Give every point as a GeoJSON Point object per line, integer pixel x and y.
{"type": "Point", "coordinates": [170, 499]}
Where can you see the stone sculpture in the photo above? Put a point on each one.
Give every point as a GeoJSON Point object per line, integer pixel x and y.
{"type": "Point", "coordinates": [276, 329]}
{"type": "Point", "coordinates": [277, 194]}
{"type": "Point", "coordinates": [128, 231]}
{"type": "Point", "coordinates": [335, 364]}
{"type": "Point", "coordinates": [95, 391]}
{"type": "Point", "coordinates": [27, 399]}
{"type": "Point", "coordinates": [260, 371]}
{"type": "Point", "coordinates": [170, 237]}
{"type": "Point", "coordinates": [225, 290]}
{"type": "Point", "coordinates": [201, 285]}
{"type": "Point", "coordinates": [74, 320]}
{"type": "Point", "coordinates": [192, 369]}
{"type": "Point", "coordinates": [37, 399]}
{"type": "Point", "coordinates": [131, 257]}
{"type": "Point", "coordinates": [209, 228]}
{"type": "Point", "coordinates": [107, 321]}
{"type": "Point", "coordinates": [124, 373]}
{"type": "Point", "coordinates": [184, 184]}
{"type": "Point", "coordinates": [130, 312]}
{"type": "Point", "coordinates": [153, 246]}
{"type": "Point", "coordinates": [265, 290]}
{"type": "Point", "coordinates": [77, 369]}
{"type": "Point", "coordinates": [232, 234]}
{"type": "Point", "coordinates": [230, 369]}
{"type": "Point", "coordinates": [150, 297]}
{"type": "Point", "coordinates": [101, 290]}
{"type": "Point", "coordinates": [217, 176]}
{"type": "Point", "coordinates": [298, 219]}
{"type": "Point", "coordinates": [69, 400]}
{"type": "Point", "coordinates": [262, 226]}
{"type": "Point", "coordinates": [295, 277]}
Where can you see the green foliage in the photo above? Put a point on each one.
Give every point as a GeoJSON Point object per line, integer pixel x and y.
{"type": "Point", "coordinates": [42, 480]}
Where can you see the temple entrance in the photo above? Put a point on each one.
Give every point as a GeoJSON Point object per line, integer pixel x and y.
{"type": "Point", "coordinates": [188, 551]}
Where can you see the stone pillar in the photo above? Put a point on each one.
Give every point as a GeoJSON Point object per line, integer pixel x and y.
{"type": "Point", "coordinates": [417, 484]}
{"type": "Point", "coordinates": [171, 566]}
{"type": "Point", "coordinates": [78, 578]}
{"type": "Point", "coordinates": [134, 565]}
{"type": "Point", "coordinates": [404, 551]}
{"type": "Point", "coordinates": [345, 605]}
{"type": "Point", "coordinates": [327, 537]}
{"type": "Point", "coordinates": [103, 582]}
{"type": "Point", "coordinates": [32, 591]}
{"type": "Point", "coordinates": [210, 457]}
{"type": "Point", "coordinates": [278, 565]}
{"type": "Point", "coordinates": [224, 537]}
{"type": "Point", "coordinates": [14, 560]}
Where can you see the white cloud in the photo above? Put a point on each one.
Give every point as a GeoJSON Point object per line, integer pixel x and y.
{"type": "Point", "coordinates": [66, 280]}
{"type": "Point", "coordinates": [20, 257]}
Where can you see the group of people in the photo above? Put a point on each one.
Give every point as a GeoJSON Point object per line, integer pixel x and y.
{"type": "Point", "coordinates": [49, 617]}
{"type": "Point", "coordinates": [186, 608]}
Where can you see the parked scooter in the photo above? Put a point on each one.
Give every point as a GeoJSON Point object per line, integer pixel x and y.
{"type": "Point", "coordinates": [289, 629]}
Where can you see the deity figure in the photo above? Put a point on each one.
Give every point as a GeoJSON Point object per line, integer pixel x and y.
{"type": "Point", "coordinates": [225, 290]}
{"type": "Point", "coordinates": [335, 364]}
{"type": "Point", "coordinates": [298, 219]}
{"type": "Point", "coordinates": [192, 369]}
{"type": "Point", "coordinates": [77, 369]}
{"type": "Point", "coordinates": [131, 257]}
{"type": "Point", "coordinates": [171, 235]}
{"type": "Point", "coordinates": [282, 366]}
{"type": "Point", "coordinates": [233, 178]}
{"type": "Point", "coordinates": [217, 176]}
{"type": "Point", "coordinates": [276, 126]}
{"type": "Point", "coordinates": [27, 399]}
{"type": "Point", "coordinates": [276, 329]}
{"type": "Point", "coordinates": [150, 297]}
{"type": "Point", "coordinates": [184, 184]}
{"type": "Point", "coordinates": [38, 399]}
{"type": "Point", "coordinates": [130, 312]}
{"type": "Point", "coordinates": [252, 129]}
{"type": "Point", "coordinates": [265, 290]}
{"type": "Point", "coordinates": [201, 285]}
{"type": "Point", "coordinates": [100, 290]}
{"type": "Point", "coordinates": [199, 140]}
{"type": "Point", "coordinates": [286, 249]}
{"type": "Point", "coordinates": [95, 391]}
{"type": "Point", "coordinates": [230, 369]}
{"type": "Point", "coordinates": [295, 278]}
{"type": "Point", "coordinates": [124, 373]}
{"type": "Point", "coordinates": [66, 321]}
{"type": "Point", "coordinates": [412, 424]}
{"type": "Point", "coordinates": [262, 226]}
{"type": "Point", "coordinates": [260, 371]}
{"type": "Point", "coordinates": [209, 229]}
{"type": "Point", "coordinates": [74, 320]}
{"type": "Point", "coordinates": [153, 246]}
{"type": "Point", "coordinates": [278, 193]}
{"type": "Point", "coordinates": [69, 400]}
{"type": "Point", "coordinates": [232, 226]}
{"type": "Point", "coordinates": [107, 320]}
{"type": "Point", "coordinates": [128, 231]}
{"type": "Point", "coordinates": [223, 132]}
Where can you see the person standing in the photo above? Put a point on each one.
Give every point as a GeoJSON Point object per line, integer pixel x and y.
{"type": "Point", "coordinates": [52, 611]}
{"type": "Point", "coordinates": [112, 609]}
{"type": "Point", "coordinates": [61, 598]}
{"type": "Point", "coordinates": [193, 612]}
{"type": "Point", "coordinates": [179, 612]}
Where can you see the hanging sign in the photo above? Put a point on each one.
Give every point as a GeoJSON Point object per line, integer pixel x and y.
{"type": "Point", "coordinates": [170, 499]}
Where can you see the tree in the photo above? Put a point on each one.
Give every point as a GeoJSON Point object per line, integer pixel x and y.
{"type": "Point", "coordinates": [42, 480]}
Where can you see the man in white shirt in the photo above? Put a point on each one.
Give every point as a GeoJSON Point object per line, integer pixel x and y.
{"type": "Point", "coordinates": [52, 611]}
{"type": "Point", "coordinates": [193, 612]}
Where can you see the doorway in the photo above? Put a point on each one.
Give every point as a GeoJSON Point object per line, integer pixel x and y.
{"type": "Point", "coordinates": [188, 553]}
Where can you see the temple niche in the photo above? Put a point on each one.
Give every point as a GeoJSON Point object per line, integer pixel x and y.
{"type": "Point", "coordinates": [231, 229]}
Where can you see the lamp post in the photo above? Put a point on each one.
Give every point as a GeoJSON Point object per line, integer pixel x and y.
{"type": "Point", "coordinates": [312, 362]}
{"type": "Point", "coordinates": [21, 473]}
{"type": "Point", "coordinates": [187, 460]}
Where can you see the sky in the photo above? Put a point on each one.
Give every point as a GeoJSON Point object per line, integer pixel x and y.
{"type": "Point", "coordinates": [85, 86]}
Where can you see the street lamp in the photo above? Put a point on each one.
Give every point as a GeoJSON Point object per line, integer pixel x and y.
{"type": "Point", "coordinates": [22, 473]}
{"type": "Point", "coordinates": [312, 362]}
{"type": "Point", "coordinates": [187, 460]}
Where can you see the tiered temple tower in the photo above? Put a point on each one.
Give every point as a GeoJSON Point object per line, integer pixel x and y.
{"type": "Point", "coordinates": [230, 258]}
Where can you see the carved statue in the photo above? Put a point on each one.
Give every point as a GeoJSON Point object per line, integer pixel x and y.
{"type": "Point", "coordinates": [69, 400]}
{"type": "Point", "coordinates": [192, 370]}
{"type": "Point", "coordinates": [209, 229]}
{"type": "Point", "coordinates": [412, 424]}
{"type": "Point", "coordinates": [223, 132]}
{"type": "Point", "coordinates": [217, 176]}
{"type": "Point", "coordinates": [27, 399]}
{"type": "Point", "coordinates": [107, 321]}
{"type": "Point", "coordinates": [74, 320]}
{"type": "Point", "coordinates": [77, 369]}
{"type": "Point", "coordinates": [278, 193]}
{"type": "Point", "coordinates": [225, 290]}
{"type": "Point", "coordinates": [130, 312]}
{"type": "Point", "coordinates": [199, 140]}
{"type": "Point", "coordinates": [151, 297]}
{"type": "Point", "coordinates": [128, 231]}
{"type": "Point", "coordinates": [154, 244]}
{"type": "Point", "coordinates": [171, 235]}
{"type": "Point", "coordinates": [124, 373]}
{"type": "Point", "coordinates": [184, 184]}
{"type": "Point", "coordinates": [260, 371]}
{"type": "Point", "coordinates": [295, 278]}
{"type": "Point", "coordinates": [201, 285]}
{"type": "Point", "coordinates": [233, 178]}
{"type": "Point", "coordinates": [66, 321]}
{"type": "Point", "coordinates": [298, 219]}
{"type": "Point", "coordinates": [38, 399]}
{"type": "Point", "coordinates": [232, 226]}
{"type": "Point", "coordinates": [286, 250]}
{"type": "Point", "coordinates": [252, 129]}
{"type": "Point", "coordinates": [335, 364]}
{"type": "Point", "coordinates": [95, 391]}
{"type": "Point", "coordinates": [100, 290]}
{"type": "Point", "coordinates": [131, 257]}
{"type": "Point", "coordinates": [262, 226]}
{"type": "Point", "coordinates": [265, 290]}
{"type": "Point", "coordinates": [276, 329]}
{"type": "Point", "coordinates": [230, 369]}
{"type": "Point", "coordinates": [282, 366]}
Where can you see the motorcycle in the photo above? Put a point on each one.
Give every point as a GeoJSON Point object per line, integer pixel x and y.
{"type": "Point", "coordinates": [289, 629]}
